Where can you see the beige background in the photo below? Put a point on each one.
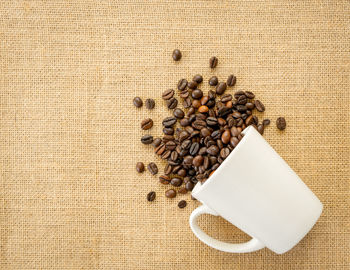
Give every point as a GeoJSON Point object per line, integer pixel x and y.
{"type": "Point", "coordinates": [69, 137]}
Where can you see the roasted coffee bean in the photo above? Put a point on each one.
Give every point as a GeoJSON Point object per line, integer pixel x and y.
{"type": "Point", "coordinates": [259, 106]}
{"type": "Point", "coordinates": [160, 149]}
{"type": "Point", "coordinates": [256, 120]}
{"type": "Point", "coordinates": [184, 94]}
{"type": "Point", "coordinates": [198, 78]}
{"type": "Point", "coordinates": [137, 102]}
{"type": "Point", "coordinates": [215, 166]}
{"type": "Point", "coordinates": [229, 104]}
{"type": "Point", "coordinates": [225, 98]}
{"type": "Point", "coordinates": [200, 116]}
{"type": "Point", "coordinates": [242, 100]}
{"type": "Point", "coordinates": [266, 122]}
{"type": "Point", "coordinates": [213, 62]}
{"type": "Point", "coordinates": [211, 94]}
{"type": "Point", "coordinates": [176, 169]}
{"type": "Point", "coordinates": [249, 120]}
{"type": "Point", "coordinates": [234, 141]}
{"type": "Point", "coordinates": [182, 173]}
{"type": "Point", "coordinates": [198, 161]}
{"type": "Point", "coordinates": [231, 80]}
{"type": "Point", "coordinates": [221, 121]}
{"type": "Point", "coordinates": [238, 94]}
{"type": "Point", "coordinates": [151, 196]}
{"type": "Point", "coordinates": [226, 136]}
{"type": "Point", "coordinates": [177, 55]}
{"type": "Point", "coordinates": [204, 100]}
{"type": "Point", "coordinates": [261, 129]}
{"type": "Point", "coordinates": [196, 103]}
{"type": "Point", "coordinates": [152, 167]}
{"type": "Point", "coordinates": [182, 190]}
{"type": "Point", "coordinates": [168, 131]}
{"type": "Point", "coordinates": [147, 123]}
{"type": "Point", "coordinates": [281, 123]}
{"type": "Point", "coordinates": [170, 145]}
{"type": "Point", "coordinates": [203, 109]}
{"type": "Point", "coordinates": [184, 135]}
{"type": "Point", "coordinates": [249, 94]}
{"type": "Point", "coordinates": [220, 144]}
{"type": "Point", "coordinates": [220, 89]}
{"type": "Point", "coordinates": [197, 94]}
{"type": "Point", "coordinates": [213, 150]}
{"type": "Point", "coordinates": [189, 129]}
{"type": "Point", "coordinates": [250, 105]}
{"type": "Point", "coordinates": [176, 182]}
{"type": "Point", "coordinates": [188, 160]}
{"type": "Point", "coordinates": [156, 142]}
{"type": "Point", "coordinates": [187, 103]}
{"type": "Point", "coordinates": [194, 149]}
{"type": "Point", "coordinates": [170, 193]}
{"type": "Point", "coordinates": [164, 179]}
{"type": "Point", "coordinates": [241, 108]}
{"type": "Point", "coordinates": [239, 122]}
{"type": "Point", "coordinates": [213, 81]}
{"type": "Point", "coordinates": [216, 134]}
{"type": "Point", "coordinates": [168, 169]}
{"type": "Point", "coordinates": [178, 113]}
{"type": "Point", "coordinates": [171, 103]}
{"type": "Point", "coordinates": [140, 167]}
{"type": "Point", "coordinates": [192, 85]}
{"type": "Point", "coordinates": [222, 112]}
{"type": "Point", "coordinates": [205, 132]}
{"type": "Point", "coordinates": [168, 94]}
{"type": "Point", "coordinates": [224, 152]}
{"type": "Point", "coordinates": [169, 121]}
{"type": "Point", "coordinates": [182, 204]}
{"type": "Point", "coordinates": [150, 103]}
{"type": "Point", "coordinates": [206, 163]}
{"type": "Point", "coordinates": [182, 84]}
{"type": "Point", "coordinates": [184, 122]}
{"type": "Point", "coordinates": [147, 139]}
{"type": "Point", "coordinates": [166, 154]}
{"type": "Point", "coordinates": [199, 124]}
{"type": "Point", "coordinates": [186, 144]}
{"type": "Point", "coordinates": [211, 121]}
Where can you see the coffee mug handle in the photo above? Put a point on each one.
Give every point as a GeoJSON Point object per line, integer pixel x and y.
{"type": "Point", "coordinates": [249, 246]}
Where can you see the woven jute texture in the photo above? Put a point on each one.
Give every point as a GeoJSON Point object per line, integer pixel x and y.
{"type": "Point", "coordinates": [70, 197]}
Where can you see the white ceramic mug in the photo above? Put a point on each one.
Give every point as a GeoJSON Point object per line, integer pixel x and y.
{"type": "Point", "coordinates": [256, 190]}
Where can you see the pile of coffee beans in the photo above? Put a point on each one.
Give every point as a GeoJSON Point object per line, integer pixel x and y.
{"type": "Point", "coordinates": [199, 137]}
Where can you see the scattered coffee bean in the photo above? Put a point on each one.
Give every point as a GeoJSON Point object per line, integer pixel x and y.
{"type": "Point", "coordinates": [197, 94]}
{"type": "Point", "coordinates": [140, 167]}
{"type": "Point", "coordinates": [170, 193]}
{"type": "Point", "coordinates": [151, 196]}
{"type": "Point", "coordinates": [213, 62]}
{"type": "Point", "coordinates": [281, 123]}
{"type": "Point", "coordinates": [182, 84]}
{"type": "Point", "coordinates": [231, 80]}
{"type": "Point", "coordinates": [182, 204]}
{"type": "Point", "coordinates": [266, 122]}
{"type": "Point", "coordinates": [259, 106]}
{"type": "Point", "coordinates": [164, 179]}
{"type": "Point", "coordinates": [261, 129]}
{"type": "Point", "coordinates": [137, 102]}
{"type": "Point", "coordinates": [171, 103]}
{"type": "Point", "coordinates": [169, 121]}
{"type": "Point", "coordinates": [168, 94]}
{"type": "Point", "coordinates": [150, 103]}
{"type": "Point", "coordinates": [147, 123]}
{"type": "Point", "coordinates": [178, 113]}
{"type": "Point", "coordinates": [147, 139]}
{"type": "Point", "coordinates": [192, 85]}
{"type": "Point", "coordinates": [213, 81]}
{"type": "Point", "coordinates": [182, 190]}
{"type": "Point", "coordinates": [176, 182]}
{"type": "Point", "coordinates": [249, 94]}
{"type": "Point", "coordinates": [220, 89]}
{"type": "Point", "coordinates": [177, 55]}
{"type": "Point", "coordinates": [198, 78]}
{"type": "Point", "coordinates": [152, 168]}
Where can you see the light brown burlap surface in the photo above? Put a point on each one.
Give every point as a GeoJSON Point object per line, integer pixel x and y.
{"type": "Point", "coordinates": [69, 137]}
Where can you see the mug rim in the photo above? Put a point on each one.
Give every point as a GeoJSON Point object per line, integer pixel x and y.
{"type": "Point", "coordinates": [246, 132]}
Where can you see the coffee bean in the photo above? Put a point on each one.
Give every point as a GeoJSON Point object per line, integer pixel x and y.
{"type": "Point", "coordinates": [256, 120]}
{"type": "Point", "coordinates": [168, 94]}
{"type": "Point", "coordinates": [184, 93]}
{"type": "Point", "coordinates": [140, 167]}
{"type": "Point", "coordinates": [220, 89]}
{"type": "Point", "coordinates": [194, 149]}
{"type": "Point", "coordinates": [199, 124]}
{"type": "Point", "coordinates": [152, 167]}
{"type": "Point", "coordinates": [211, 121]}
{"type": "Point", "coordinates": [259, 106]}
{"type": "Point", "coordinates": [187, 103]}
{"type": "Point", "coordinates": [137, 102]}
{"type": "Point", "coordinates": [164, 179]}
{"type": "Point", "coordinates": [176, 182]}
{"type": "Point", "coordinates": [213, 62]}
{"type": "Point", "coordinates": [261, 129]}
{"type": "Point", "coordinates": [225, 98]}
{"type": "Point", "coordinates": [166, 154]}
{"type": "Point", "coordinates": [216, 134]}
{"type": "Point", "coordinates": [168, 131]}
{"type": "Point", "coordinates": [238, 94]}
{"type": "Point", "coordinates": [189, 186]}
{"type": "Point", "coordinates": [281, 123]}
{"type": "Point", "coordinates": [242, 100]}
{"type": "Point", "coordinates": [182, 172]}
{"type": "Point", "coordinates": [224, 152]}
{"type": "Point", "coordinates": [169, 121]}
{"type": "Point", "coordinates": [226, 136]}
{"type": "Point", "coordinates": [150, 103]}
{"type": "Point", "coordinates": [213, 150]}
{"type": "Point", "coordinates": [198, 78]}
{"type": "Point", "coordinates": [192, 85]}
{"type": "Point", "coordinates": [205, 132]}
{"type": "Point", "coordinates": [249, 120]}
{"type": "Point", "coordinates": [241, 108]}
{"type": "Point", "coordinates": [186, 144]}
{"type": "Point", "coordinates": [203, 109]}
{"type": "Point", "coordinates": [178, 113]}
{"type": "Point", "coordinates": [170, 145]}
{"type": "Point", "coordinates": [249, 94]}
{"type": "Point", "coordinates": [188, 160]}
{"type": "Point", "coordinates": [198, 161]}
{"type": "Point", "coordinates": [182, 190]}
{"type": "Point", "coordinates": [170, 193]}
{"type": "Point", "coordinates": [184, 122]}
{"type": "Point", "coordinates": [147, 123]}
{"type": "Point", "coordinates": [266, 122]}
{"type": "Point", "coordinates": [171, 103]}
{"type": "Point", "coordinates": [160, 149]}
{"type": "Point", "coordinates": [197, 94]}
{"type": "Point", "coordinates": [182, 84]}
{"type": "Point", "coordinates": [213, 81]}
{"type": "Point", "coordinates": [250, 105]}
{"type": "Point", "coordinates": [151, 196]}
{"type": "Point", "coordinates": [234, 141]}
{"type": "Point", "coordinates": [177, 55]}
{"type": "Point", "coordinates": [184, 135]}
{"type": "Point", "coordinates": [231, 80]}
{"type": "Point", "coordinates": [147, 139]}
{"type": "Point", "coordinates": [168, 169]}
{"type": "Point", "coordinates": [182, 204]}
{"type": "Point", "coordinates": [167, 138]}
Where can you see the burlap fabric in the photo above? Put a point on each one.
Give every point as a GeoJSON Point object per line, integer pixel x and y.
{"type": "Point", "coordinates": [70, 136]}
